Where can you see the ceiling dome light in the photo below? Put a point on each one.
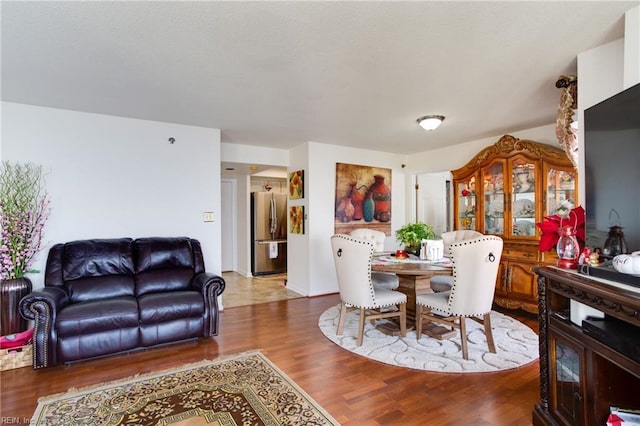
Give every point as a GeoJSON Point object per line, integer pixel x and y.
{"type": "Point", "coordinates": [430, 122]}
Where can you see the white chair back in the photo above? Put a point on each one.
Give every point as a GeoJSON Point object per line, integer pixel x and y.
{"type": "Point", "coordinates": [475, 268]}
{"type": "Point", "coordinates": [376, 238]}
{"type": "Point", "coordinates": [451, 237]}
{"type": "Point", "coordinates": [352, 259]}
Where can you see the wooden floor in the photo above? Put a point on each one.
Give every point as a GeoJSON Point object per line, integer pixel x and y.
{"type": "Point", "coordinates": [353, 389]}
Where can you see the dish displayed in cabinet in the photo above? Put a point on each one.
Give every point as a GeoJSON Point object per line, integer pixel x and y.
{"type": "Point", "coordinates": [524, 228]}
{"type": "Point", "coordinates": [495, 208]}
{"type": "Point", "coordinates": [524, 208]}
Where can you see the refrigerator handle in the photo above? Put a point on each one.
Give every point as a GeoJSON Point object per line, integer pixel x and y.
{"type": "Point", "coordinates": [273, 225]}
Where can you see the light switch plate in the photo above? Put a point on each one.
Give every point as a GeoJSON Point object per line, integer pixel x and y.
{"type": "Point", "coordinates": [208, 216]}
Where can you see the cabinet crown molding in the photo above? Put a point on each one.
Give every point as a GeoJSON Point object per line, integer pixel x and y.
{"type": "Point", "coordinates": [506, 146]}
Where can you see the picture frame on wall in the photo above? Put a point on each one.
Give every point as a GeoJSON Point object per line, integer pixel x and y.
{"type": "Point", "coordinates": [362, 198]}
{"type": "Point", "coordinates": [296, 185]}
{"type": "Point", "coordinates": [296, 220]}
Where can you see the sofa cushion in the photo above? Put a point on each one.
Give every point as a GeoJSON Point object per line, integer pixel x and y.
{"type": "Point", "coordinates": [163, 253]}
{"type": "Point", "coordinates": [90, 317]}
{"type": "Point", "coordinates": [163, 264]}
{"type": "Point", "coordinates": [97, 258]}
{"type": "Point", "coordinates": [163, 307]}
{"type": "Point", "coordinates": [165, 280]}
{"type": "Point", "coordinates": [96, 288]}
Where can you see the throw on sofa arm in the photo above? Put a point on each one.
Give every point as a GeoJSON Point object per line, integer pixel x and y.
{"type": "Point", "coordinates": [211, 286]}
{"type": "Point", "coordinates": [42, 307]}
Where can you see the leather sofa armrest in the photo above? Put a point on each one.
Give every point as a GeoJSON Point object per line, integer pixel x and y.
{"type": "Point", "coordinates": [211, 286]}
{"type": "Point", "coordinates": [42, 307]}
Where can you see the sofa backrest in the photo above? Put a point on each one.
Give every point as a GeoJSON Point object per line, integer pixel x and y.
{"type": "Point", "coordinates": [166, 264]}
{"type": "Point", "coordinates": [92, 269]}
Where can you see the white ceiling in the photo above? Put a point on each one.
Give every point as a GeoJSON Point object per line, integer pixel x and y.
{"type": "Point", "coordinates": [283, 73]}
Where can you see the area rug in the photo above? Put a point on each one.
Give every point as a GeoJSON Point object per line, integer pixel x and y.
{"type": "Point", "coordinates": [246, 389]}
{"type": "Point", "coordinates": [516, 345]}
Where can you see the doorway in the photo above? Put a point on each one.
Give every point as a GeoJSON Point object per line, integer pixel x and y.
{"type": "Point", "coordinates": [433, 201]}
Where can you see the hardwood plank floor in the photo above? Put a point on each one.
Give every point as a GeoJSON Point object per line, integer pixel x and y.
{"type": "Point", "coordinates": [355, 390]}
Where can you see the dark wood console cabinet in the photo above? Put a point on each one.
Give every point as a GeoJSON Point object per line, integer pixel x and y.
{"type": "Point", "coordinates": [581, 377]}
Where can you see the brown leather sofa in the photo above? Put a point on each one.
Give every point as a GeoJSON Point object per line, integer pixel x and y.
{"type": "Point", "coordinates": [108, 296]}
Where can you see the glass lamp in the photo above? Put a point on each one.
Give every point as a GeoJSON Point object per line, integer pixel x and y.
{"type": "Point", "coordinates": [568, 248]}
{"type": "Point", "coordinates": [430, 122]}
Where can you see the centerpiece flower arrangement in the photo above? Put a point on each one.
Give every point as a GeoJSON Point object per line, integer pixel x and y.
{"type": "Point", "coordinates": [551, 226]}
{"type": "Point", "coordinates": [24, 209]}
{"type": "Point", "coordinates": [412, 234]}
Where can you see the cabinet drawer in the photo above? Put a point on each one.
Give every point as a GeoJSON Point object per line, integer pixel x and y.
{"type": "Point", "coordinates": [519, 254]}
{"type": "Point", "coordinates": [549, 257]}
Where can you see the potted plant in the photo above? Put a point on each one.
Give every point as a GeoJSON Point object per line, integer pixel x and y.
{"type": "Point", "coordinates": [412, 234]}
{"type": "Point", "coordinates": [24, 208]}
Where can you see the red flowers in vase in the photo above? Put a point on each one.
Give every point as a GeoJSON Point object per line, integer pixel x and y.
{"type": "Point", "coordinates": [551, 226]}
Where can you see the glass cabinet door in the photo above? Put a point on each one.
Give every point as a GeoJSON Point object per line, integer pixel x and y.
{"type": "Point", "coordinates": [493, 198]}
{"type": "Point", "coordinates": [560, 191]}
{"type": "Point", "coordinates": [523, 199]}
{"type": "Point", "coordinates": [566, 380]}
{"type": "Point", "coordinates": [466, 193]}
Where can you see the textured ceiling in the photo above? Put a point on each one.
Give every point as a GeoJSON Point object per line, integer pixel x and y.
{"type": "Point", "coordinates": [284, 73]}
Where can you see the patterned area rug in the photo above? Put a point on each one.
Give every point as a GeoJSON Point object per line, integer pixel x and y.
{"type": "Point", "coordinates": [516, 345]}
{"type": "Point", "coordinates": [246, 389]}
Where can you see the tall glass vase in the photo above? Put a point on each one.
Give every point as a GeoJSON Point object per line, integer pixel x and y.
{"type": "Point", "coordinates": [11, 291]}
{"type": "Point", "coordinates": [382, 198]}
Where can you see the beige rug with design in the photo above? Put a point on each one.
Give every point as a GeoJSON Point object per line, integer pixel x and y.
{"type": "Point", "coordinates": [244, 389]}
{"type": "Point", "coordinates": [516, 345]}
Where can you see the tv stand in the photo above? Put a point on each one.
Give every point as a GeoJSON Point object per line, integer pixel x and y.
{"type": "Point", "coordinates": [609, 273]}
{"type": "Point", "coordinates": [581, 375]}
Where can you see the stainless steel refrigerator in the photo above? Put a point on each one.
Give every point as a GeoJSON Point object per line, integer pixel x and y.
{"type": "Point", "coordinates": [268, 233]}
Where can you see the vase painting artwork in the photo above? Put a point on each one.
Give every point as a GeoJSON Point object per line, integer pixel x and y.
{"type": "Point", "coordinates": [296, 219]}
{"type": "Point", "coordinates": [296, 185]}
{"type": "Point", "coordinates": [362, 198]}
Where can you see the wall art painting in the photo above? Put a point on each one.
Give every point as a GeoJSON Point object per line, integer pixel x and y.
{"type": "Point", "coordinates": [362, 198]}
{"type": "Point", "coordinates": [296, 185]}
{"type": "Point", "coordinates": [296, 219]}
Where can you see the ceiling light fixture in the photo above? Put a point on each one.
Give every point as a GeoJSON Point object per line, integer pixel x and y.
{"type": "Point", "coordinates": [430, 122]}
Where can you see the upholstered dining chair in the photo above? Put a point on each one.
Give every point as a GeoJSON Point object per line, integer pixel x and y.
{"type": "Point", "coordinates": [444, 282]}
{"type": "Point", "coordinates": [475, 268]}
{"type": "Point", "coordinates": [352, 259]}
{"type": "Point", "coordinates": [380, 279]}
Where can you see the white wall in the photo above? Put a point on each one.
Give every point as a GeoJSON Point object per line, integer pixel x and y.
{"type": "Point", "coordinates": [605, 71]}
{"type": "Point", "coordinates": [310, 268]}
{"type": "Point", "coordinates": [320, 178]}
{"type": "Point", "coordinates": [298, 258]}
{"type": "Point", "coordinates": [117, 177]}
{"type": "Point", "coordinates": [632, 47]}
{"type": "Point", "coordinates": [600, 75]}
{"type": "Point", "coordinates": [454, 157]}
{"type": "Point", "coordinates": [236, 153]}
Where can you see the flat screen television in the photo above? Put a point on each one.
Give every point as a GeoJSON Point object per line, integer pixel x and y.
{"type": "Point", "coordinates": [612, 168]}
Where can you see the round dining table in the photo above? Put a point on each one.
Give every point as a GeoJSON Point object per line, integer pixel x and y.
{"type": "Point", "coordinates": [414, 277]}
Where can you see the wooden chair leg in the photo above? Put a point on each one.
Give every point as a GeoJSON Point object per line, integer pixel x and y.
{"type": "Point", "coordinates": [418, 321]}
{"type": "Point", "coordinates": [463, 337]}
{"type": "Point", "coordinates": [403, 319]}
{"type": "Point", "coordinates": [487, 331]}
{"type": "Point", "coordinates": [343, 315]}
{"type": "Point", "coordinates": [363, 313]}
